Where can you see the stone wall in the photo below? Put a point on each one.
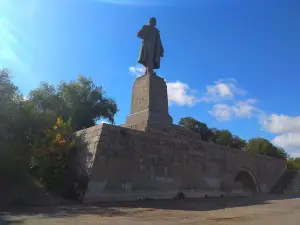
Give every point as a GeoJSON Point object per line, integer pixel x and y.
{"type": "Point", "coordinates": [294, 186]}
{"type": "Point", "coordinates": [129, 164]}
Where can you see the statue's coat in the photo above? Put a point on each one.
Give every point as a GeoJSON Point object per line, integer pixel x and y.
{"type": "Point", "coordinates": [151, 46]}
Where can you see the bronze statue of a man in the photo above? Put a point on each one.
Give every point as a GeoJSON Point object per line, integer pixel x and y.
{"type": "Point", "coordinates": [151, 48]}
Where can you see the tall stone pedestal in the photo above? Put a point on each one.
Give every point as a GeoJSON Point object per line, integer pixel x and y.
{"type": "Point", "coordinates": [149, 104]}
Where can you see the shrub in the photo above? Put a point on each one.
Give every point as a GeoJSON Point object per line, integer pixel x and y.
{"type": "Point", "coordinates": [293, 163]}
{"type": "Point", "coordinates": [51, 160]}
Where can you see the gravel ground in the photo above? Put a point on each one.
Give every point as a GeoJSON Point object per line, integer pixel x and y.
{"type": "Point", "coordinates": [275, 210]}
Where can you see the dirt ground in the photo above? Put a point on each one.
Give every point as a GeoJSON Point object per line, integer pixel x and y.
{"type": "Point", "coordinates": [283, 210]}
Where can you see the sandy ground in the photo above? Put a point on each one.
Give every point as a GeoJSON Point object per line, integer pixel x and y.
{"type": "Point", "coordinates": [283, 210]}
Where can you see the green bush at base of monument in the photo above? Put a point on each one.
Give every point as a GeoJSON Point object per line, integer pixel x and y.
{"type": "Point", "coordinates": [51, 160]}
{"type": "Point", "coordinates": [23, 122]}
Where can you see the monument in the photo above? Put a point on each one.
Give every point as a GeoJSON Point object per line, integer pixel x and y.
{"type": "Point", "coordinates": [149, 103]}
{"type": "Point", "coordinates": [151, 158]}
{"type": "Point", "coordinates": [151, 49]}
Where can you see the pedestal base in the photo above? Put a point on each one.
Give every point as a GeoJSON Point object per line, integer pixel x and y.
{"type": "Point", "coordinates": [149, 105]}
{"type": "Point", "coordinates": [144, 119]}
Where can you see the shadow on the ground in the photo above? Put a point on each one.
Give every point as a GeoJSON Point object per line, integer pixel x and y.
{"type": "Point", "coordinates": [60, 211]}
{"type": "Point", "coordinates": [121, 209]}
{"type": "Point", "coordinates": [5, 221]}
{"type": "Point", "coordinates": [204, 204]}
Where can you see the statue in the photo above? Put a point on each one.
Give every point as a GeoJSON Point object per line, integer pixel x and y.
{"type": "Point", "coordinates": [151, 48]}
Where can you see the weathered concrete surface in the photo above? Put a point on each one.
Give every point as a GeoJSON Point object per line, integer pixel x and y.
{"type": "Point", "coordinates": [242, 211]}
{"type": "Point", "coordinates": [128, 164]}
{"type": "Point", "coordinates": [294, 186]}
{"type": "Point", "coordinates": [149, 103]}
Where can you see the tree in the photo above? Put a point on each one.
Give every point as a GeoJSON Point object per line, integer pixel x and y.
{"type": "Point", "coordinates": [192, 124]}
{"type": "Point", "coordinates": [293, 163]}
{"type": "Point", "coordinates": [53, 160]}
{"type": "Point", "coordinates": [196, 126]}
{"type": "Point", "coordinates": [214, 134]}
{"type": "Point", "coordinates": [46, 97]}
{"type": "Point", "coordinates": [281, 153]}
{"type": "Point", "coordinates": [263, 146]}
{"type": "Point", "coordinates": [26, 123]}
{"type": "Point", "coordinates": [9, 104]}
{"type": "Point", "coordinates": [297, 160]}
{"type": "Point", "coordinates": [8, 91]}
{"type": "Point", "coordinates": [220, 137]}
{"type": "Point", "coordinates": [224, 138]}
{"type": "Point", "coordinates": [81, 100]}
{"type": "Point", "coordinates": [237, 142]}
{"type": "Point", "coordinates": [20, 124]}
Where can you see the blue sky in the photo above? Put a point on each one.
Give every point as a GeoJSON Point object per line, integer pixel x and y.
{"type": "Point", "coordinates": [234, 64]}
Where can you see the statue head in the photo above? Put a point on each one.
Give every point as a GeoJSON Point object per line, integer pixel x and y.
{"type": "Point", "coordinates": [152, 21]}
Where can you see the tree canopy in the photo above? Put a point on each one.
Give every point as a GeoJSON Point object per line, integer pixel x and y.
{"type": "Point", "coordinates": [263, 146]}
{"type": "Point", "coordinates": [24, 121]}
{"type": "Point", "coordinates": [226, 138]}
{"type": "Point", "coordinates": [81, 100]}
{"type": "Point", "coordinates": [196, 126]}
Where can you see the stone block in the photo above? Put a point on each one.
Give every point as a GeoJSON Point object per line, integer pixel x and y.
{"type": "Point", "coordinates": [93, 139]}
{"type": "Point", "coordinates": [103, 144]}
{"type": "Point", "coordinates": [149, 104]}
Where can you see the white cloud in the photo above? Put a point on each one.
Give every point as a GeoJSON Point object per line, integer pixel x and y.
{"type": "Point", "coordinates": [288, 140]}
{"type": "Point", "coordinates": [222, 112]}
{"type": "Point", "coordinates": [246, 108]}
{"type": "Point", "coordinates": [287, 129]}
{"type": "Point", "coordinates": [137, 70]}
{"type": "Point", "coordinates": [241, 109]}
{"type": "Point", "coordinates": [281, 123]}
{"type": "Point", "coordinates": [180, 94]}
{"type": "Point", "coordinates": [222, 90]}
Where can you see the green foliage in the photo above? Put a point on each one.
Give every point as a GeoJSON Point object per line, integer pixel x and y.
{"type": "Point", "coordinates": [20, 125]}
{"type": "Point", "coordinates": [27, 136]}
{"type": "Point", "coordinates": [196, 126]}
{"type": "Point", "coordinates": [237, 142]}
{"type": "Point", "coordinates": [214, 134]}
{"type": "Point", "coordinates": [224, 138]}
{"type": "Point", "coordinates": [51, 156]}
{"type": "Point", "coordinates": [220, 137]}
{"type": "Point", "coordinates": [293, 163]}
{"type": "Point", "coordinates": [8, 91]}
{"type": "Point", "coordinates": [10, 105]}
{"type": "Point", "coordinates": [263, 146]}
{"type": "Point", "coordinates": [193, 124]}
{"type": "Point", "coordinates": [81, 100]}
